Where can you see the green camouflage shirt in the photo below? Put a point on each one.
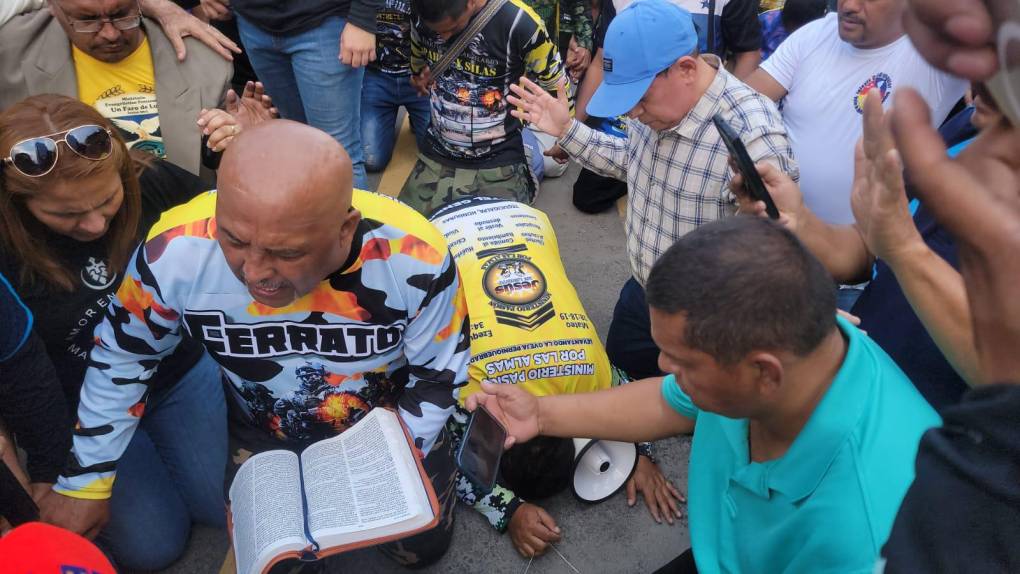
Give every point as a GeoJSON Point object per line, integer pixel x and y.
{"type": "Point", "coordinates": [566, 16]}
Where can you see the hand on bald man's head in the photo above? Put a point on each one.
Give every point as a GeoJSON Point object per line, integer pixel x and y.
{"type": "Point", "coordinates": [288, 163]}
{"type": "Point", "coordinates": [283, 209]}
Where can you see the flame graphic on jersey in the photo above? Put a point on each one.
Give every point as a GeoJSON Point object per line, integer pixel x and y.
{"type": "Point", "coordinates": [383, 249]}
{"type": "Point", "coordinates": [336, 379]}
{"type": "Point", "coordinates": [323, 299]}
{"type": "Point", "coordinates": [460, 311]}
{"type": "Point", "coordinates": [155, 247]}
{"type": "Point", "coordinates": [137, 410]}
{"type": "Point", "coordinates": [336, 409]}
{"type": "Point", "coordinates": [137, 300]}
{"type": "Point", "coordinates": [492, 98]}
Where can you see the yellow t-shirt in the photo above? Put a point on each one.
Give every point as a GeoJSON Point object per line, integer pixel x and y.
{"type": "Point", "coordinates": [528, 327]}
{"type": "Point", "coordinates": [125, 93]}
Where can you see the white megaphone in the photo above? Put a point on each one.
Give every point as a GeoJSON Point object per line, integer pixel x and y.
{"type": "Point", "coordinates": [602, 467]}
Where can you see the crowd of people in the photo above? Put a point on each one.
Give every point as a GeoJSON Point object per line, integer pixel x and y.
{"type": "Point", "coordinates": [193, 269]}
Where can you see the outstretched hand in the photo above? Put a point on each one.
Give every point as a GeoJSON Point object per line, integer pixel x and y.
{"type": "Point", "coordinates": [538, 107]}
{"type": "Point", "coordinates": [879, 198]}
{"type": "Point", "coordinates": [516, 408]}
{"type": "Point", "coordinates": [976, 197]}
{"type": "Point", "coordinates": [253, 107]}
{"type": "Point", "coordinates": [178, 24]}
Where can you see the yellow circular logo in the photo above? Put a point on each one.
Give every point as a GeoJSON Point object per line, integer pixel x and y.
{"type": "Point", "coordinates": [514, 281]}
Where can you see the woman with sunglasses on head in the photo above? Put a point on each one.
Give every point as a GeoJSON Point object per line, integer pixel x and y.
{"type": "Point", "coordinates": [73, 205]}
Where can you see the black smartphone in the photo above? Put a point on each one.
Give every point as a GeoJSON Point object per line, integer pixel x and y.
{"type": "Point", "coordinates": [481, 449]}
{"type": "Point", "coordinates": [15, 504]}
{"type": "Point", "coordinates": [752, 181]}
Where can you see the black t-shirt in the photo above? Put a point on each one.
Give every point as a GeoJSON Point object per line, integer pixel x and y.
{"type": "Point", "coordinates": [65, 320]}
{"type": "Point", "coordinates": [962, 513]}
{"type": "Point", "coordinates": [736, 25]}
{"type": "Point", "coordinates": [471, 123]}
{"type": "Point", "coordinates": [291, 17]}
{"type": "Point", "coordinates": [393, 38]}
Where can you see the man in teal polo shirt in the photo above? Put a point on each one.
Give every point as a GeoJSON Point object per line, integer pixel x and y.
{"type": "Point", "coordinates": [805, 431]}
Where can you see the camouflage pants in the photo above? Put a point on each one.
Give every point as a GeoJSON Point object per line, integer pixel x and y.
{"type": "Point", "coordinates": [418, 551]}
{"type": "Point", "coordinates": [432, 185]}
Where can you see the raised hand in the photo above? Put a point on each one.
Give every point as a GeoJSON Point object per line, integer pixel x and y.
{"type": "Point", "coordinates": [879, 200]}
{"type": "Point", "coordinates": [253, 107]}
{"type": "Point", "coordinates": [976, 197]}
{"type": "Point", "coordinates": [516, 408]}
{"type": "Point", "coordinates": [537, 107]}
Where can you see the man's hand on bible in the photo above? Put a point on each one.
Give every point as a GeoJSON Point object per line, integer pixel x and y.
{"type": "Point", "coordinates": [81, 516]}
{"type": "Point", "coordinates": [539, 108]}
{"type": "Point", "coordinates": [532, 529]}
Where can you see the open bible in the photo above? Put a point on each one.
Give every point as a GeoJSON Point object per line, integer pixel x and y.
{"type": "Point", "coordinates": [364, 487]}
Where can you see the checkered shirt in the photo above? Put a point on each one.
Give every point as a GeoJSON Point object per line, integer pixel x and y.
{"type": "Point", "coordinates": [678, 179]}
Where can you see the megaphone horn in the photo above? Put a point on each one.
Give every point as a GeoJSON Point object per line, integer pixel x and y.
{"type": "Point", "coordinates": [602, 467]}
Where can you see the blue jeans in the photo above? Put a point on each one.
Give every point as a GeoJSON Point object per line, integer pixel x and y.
{"type": "Point", "coordinates": [381, 97]}
{"type": "Point", "coordinates": [309, 84]}
{"type": "Point", "coordinates": [629, 343]}
{"type": "Point", "coordinates": [171, 473]}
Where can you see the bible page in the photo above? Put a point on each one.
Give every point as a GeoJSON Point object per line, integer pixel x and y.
{"type": "Point", "coordinates": [364, 483]}
{"type": "Point", "coordinates": [267, 510]}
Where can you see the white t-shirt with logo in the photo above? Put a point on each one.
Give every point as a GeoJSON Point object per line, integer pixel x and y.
{"type": "Point", "coordinates": [826, 79]}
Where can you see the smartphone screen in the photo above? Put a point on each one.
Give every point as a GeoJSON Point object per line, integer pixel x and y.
{"type": "Point", "coordinates": [1005, 85]}
{"type": "Point", "coordinates": [482, 449]}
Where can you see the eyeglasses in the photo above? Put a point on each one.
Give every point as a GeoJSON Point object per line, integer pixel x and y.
{"type": "Point", "coordinates": [93, 25]}
{"type": "Point", "coordinates": [35, 157]}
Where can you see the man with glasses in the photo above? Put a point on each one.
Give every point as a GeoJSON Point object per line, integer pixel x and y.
{"type": "Point", "coordinates": [106, 54]}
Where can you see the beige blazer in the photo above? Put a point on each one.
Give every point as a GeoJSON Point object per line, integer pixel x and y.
{"type": "Point", "coordinates": [35, 58]}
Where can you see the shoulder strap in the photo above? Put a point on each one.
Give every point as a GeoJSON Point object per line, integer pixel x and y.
{"type": "Point", "coordinates": [481, 19]}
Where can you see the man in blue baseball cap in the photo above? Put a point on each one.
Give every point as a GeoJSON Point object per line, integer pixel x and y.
{"type": "Point", "coordinates": [672, 158]}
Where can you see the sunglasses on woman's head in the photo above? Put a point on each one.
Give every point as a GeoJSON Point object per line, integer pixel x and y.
{"type": "Point", "coordinates": [35, 157]}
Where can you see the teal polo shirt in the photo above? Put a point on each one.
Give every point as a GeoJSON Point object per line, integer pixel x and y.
{"type": "Point", "coordinates": [828, 504]}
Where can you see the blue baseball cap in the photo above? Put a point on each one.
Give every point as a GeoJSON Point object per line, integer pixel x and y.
{"type": "Point", "coordinates": [644, 39]}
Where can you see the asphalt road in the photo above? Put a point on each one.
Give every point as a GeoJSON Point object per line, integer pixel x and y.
{"type": "Point", "coordinates": [605, 538]}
